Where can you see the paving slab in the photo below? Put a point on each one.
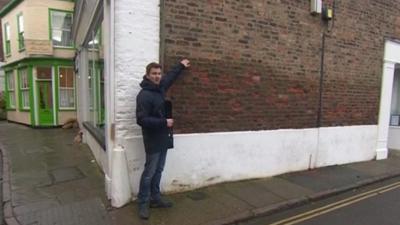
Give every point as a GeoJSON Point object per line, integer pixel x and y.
{"type": "Point", "coordinates": [89, 212]}
{"type": "Point", "coordinates": [284, 188]}
{"type": "Point", "coordinates": [252, 193]}
{"type": "Point", "coordinates": [326, 178]}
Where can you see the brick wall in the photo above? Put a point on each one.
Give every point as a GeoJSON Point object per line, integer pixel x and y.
{"type": "Point", "coordinates": [256, 64]}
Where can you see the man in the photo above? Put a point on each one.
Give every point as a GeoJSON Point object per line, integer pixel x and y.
{"type": "Point", "coordinates": [151, 116]}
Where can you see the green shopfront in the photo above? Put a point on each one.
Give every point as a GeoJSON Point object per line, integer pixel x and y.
{"type": "Point", "coordinates": [40, 91]}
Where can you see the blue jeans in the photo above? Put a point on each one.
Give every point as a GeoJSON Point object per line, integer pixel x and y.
{"type": "Point", "coordinates": [150, 181]}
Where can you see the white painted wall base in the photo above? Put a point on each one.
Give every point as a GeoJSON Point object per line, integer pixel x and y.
{"type": "Point", "coordinates": [120, 188]}
{"type": "Point", "coordinates": [381, 153]}
{"type": "Point", "coordinates": [97, 150]}
{"type": "Point", "coordinates": [204, 159]}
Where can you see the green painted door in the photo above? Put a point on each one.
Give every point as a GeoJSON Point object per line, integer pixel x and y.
{"type": "Point", "coordinates": [45, 101]}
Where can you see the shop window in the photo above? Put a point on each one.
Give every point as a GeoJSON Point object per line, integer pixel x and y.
{"type": "Point", "coordinates": [61, 23]}
{"type": "Point", "coordinates": [10, 89]}
{"type": "Point", "coordinates": [24, 88]}
{"type": "Point", "coordinates": [96, 80]}
{"type": "Point", "coordinates": [95, 76]}
{"type": "Point", "coordinates": [67, 88]}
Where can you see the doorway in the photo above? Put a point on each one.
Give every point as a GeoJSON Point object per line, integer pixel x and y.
{"type": "Point", "coordinates": [44, 93]}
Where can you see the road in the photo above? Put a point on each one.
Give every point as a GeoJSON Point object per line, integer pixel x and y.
{"type": "Point", "coordinates": [371, 205]}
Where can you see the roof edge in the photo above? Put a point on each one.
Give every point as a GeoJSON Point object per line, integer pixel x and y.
{"type": "Point", "coordinates": [10, 6]}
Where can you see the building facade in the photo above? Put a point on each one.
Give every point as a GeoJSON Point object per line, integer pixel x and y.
{"type": "Point", "coordinates": [2, 4]}
{"type": "Point", "coordinates": [273, 88]}
{"type": "Point", "coordinates": [39, 72]}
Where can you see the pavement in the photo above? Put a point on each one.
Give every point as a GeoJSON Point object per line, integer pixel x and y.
{"type": "Point", "coordinates": [49, 180]}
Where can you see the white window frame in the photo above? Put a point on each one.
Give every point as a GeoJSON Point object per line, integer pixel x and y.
{"type": "Point", "coordinates": [7, 39]}
{"type": "Point", "coordinates": [60, 29]}
{"type": "Point", "coordinates": [67, 88]}
{"type": "Point", "coordinates": [11, 88]}
{"type": "Point", "coordinates": [21, 31]}
{"type": "Point", "coordinates": [24, 90]}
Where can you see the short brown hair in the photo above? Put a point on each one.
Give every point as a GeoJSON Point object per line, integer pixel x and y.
{"type": "Point", "coordinates": [152, 65]}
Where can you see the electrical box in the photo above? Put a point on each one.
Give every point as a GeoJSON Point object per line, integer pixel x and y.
{"type": "Point", "coordinates": [316, 6]}
{"type": "Point", "coordinates": [327, 13]}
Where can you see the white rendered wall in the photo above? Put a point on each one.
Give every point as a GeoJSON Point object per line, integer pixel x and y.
{"type": "Point", "coordinates": [135, 26]}
{"type": "Point", "coordinates": [203, 159]}
{"type": "Point", "coordinates": [136, 44]}
{"type": "Point", "coordinates": [341, 145]}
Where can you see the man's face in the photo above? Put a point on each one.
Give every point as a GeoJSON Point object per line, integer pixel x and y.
{"type": "Point", "coordinates": [154, 75]}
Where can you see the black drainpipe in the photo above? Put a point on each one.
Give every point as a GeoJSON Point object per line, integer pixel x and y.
{"type": "Point", "coordinates": [321, 81]}
{"type": "Point", "coordinates": [322, 72]}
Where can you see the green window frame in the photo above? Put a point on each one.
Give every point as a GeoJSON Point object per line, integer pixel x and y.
{"type": "Point", "coordinates": [21, 31]}
{"type": "Point", "coordinates": [66, 87]}
{"type": "Point", "coordinates": [24, 86]}
{"type": "Point", "coordinates": [10, 89]}
{"type": "Point", "coordinates": [60, 25]}
{"type": "Point", "coordinates": [7, 39]}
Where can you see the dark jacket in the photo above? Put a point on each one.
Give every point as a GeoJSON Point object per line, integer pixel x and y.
{"type": "Point", "coordinates": [150, 111]}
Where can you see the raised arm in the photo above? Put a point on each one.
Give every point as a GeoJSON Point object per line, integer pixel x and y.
{"type": "Point", "coordinates": [168, 79]}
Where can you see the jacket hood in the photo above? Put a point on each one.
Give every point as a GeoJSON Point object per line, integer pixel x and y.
{"type": "Point", "coordinates": [148, 85]}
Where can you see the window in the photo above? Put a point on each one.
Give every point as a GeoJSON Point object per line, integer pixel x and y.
{"type": "Point", "coordinates": [61, 23]}
{"type": "Point", "coordinates": [10, 89]}
{"type": "Point", "coordinates": [96, 41]}
{"type": "Point", "coordinates": [67, 88]}
{"type": "Point", "coordinates": [21, 40]}
{"type": "Point", "coordinates": [7, 44]}
{"type": "Point", "coordinates": [24, 88]}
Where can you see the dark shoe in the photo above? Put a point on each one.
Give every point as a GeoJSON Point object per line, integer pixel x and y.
{"type": "Point", "coordinates": [144, 211]}
{"type": "Point", "coordinates": [161, 203]}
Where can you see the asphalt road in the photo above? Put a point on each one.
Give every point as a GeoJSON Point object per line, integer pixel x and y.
{"type": "Point", "coordinates": [372, 205]}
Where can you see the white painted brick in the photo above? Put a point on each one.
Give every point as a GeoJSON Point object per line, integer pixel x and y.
{"type": "Point", "coordinates": [137, 26]}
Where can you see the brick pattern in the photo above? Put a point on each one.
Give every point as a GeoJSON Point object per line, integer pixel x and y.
{"type": "Point", "coordinates": [136, 44]}
{"type": "Point", "coordinates": [256, 64]}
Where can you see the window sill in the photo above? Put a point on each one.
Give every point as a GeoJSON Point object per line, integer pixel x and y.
{"type": "Point", "coordinates": [97, 133]}
{"type": "Point", "coordinates": [25, 110]}
{"type": "Point", "coordinates": [11, 109]}
{"type": "Point", "coordinates": [66, 48]}
{"type": "Point", "coordinates": [67, 109]}
{"type": "Point", "coordinates": [21, 50]}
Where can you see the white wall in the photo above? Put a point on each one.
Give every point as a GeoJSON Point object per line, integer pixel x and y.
{"type": "Point", "coordinates": [137, 25]}
{"type": "Point", "coordinates": [203, 159]}
{"type": "Point", "coordinates": [134, 42]}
